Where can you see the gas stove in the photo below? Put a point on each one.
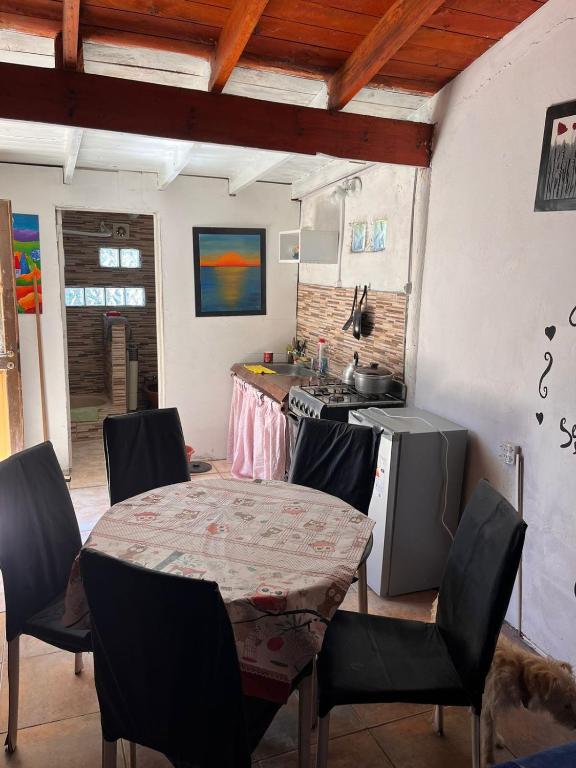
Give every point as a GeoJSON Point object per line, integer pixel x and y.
{"type": "Point", "coordinates": [335, 400]}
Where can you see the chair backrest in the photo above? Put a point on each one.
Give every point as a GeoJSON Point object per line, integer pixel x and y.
{"type": "Point", "coordinates": [165, 663]}
{"type": "Point", "coordinates": [144, 450]}
{"type": "Point", "coordinates": [337, 458]}
{"type": "Point", "coordinates": [478, 583]}
{"type": "Point", "coordinates": [39, 535]}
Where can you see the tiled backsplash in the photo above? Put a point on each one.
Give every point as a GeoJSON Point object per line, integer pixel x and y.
{"type": "Point", "coordinates": [322, 311]}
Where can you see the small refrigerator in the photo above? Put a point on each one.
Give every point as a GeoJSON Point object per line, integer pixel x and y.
{"type": "Point", "coordinates": [416, 497]}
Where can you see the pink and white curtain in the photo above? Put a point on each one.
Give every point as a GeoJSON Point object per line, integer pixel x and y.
{"type": "Point", "coordinates": [256, 434]}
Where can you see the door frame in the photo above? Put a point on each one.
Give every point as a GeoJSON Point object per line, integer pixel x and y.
{"type": "Point", "coordinates": [157, 285]}
{"type": "Point", "coordinates": [11, 378]}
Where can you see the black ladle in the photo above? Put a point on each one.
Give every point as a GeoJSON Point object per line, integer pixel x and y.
{"type": "Point", "coordinates": [348, 322]}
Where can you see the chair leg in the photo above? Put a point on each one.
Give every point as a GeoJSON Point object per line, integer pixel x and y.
{"type": "Point", "coordinates": [305, 694]}
{"type": "Point", "coordinates": [13, 692]}
{"type": "Point", "coordinates": [108, 753]}
{"type": "Point", "coordinates": [475, 739]}
{"type": "Point", "coordinates": [323, 734]}
{"type": "Point", "coordinates": [78, 663]}
{"type": "Point", "coordinates": [132, 754]}
{"type": "Point", "coordinates": [362, 589]}
{"type": "Point", "coordinates": [439, 720]}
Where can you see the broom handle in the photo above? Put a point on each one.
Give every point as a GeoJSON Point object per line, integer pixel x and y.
{"type": "Point", "coordinates": [40, 360]}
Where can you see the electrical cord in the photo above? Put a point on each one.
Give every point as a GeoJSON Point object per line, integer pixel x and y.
{"type": "Point", "coordinates": [446, 471]}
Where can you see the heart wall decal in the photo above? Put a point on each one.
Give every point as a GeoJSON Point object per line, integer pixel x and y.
{"type": "Point", "coordinates": [540, 417]}
{"type": "Point", "coordinates": [550, 331]}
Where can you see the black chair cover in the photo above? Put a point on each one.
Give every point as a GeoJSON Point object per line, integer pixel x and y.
{"type": "Point", "coordinates": [39, 540]}
{"type": "Point", "coordinates": [165, 663]}
{"type": "Point", "coordinates": [477, 584]}
{"type": "Point", "coordinates": [376, 659]}
{"type": "Point", "coordinates": [144, 450]}
{"type": "Point", "coordinates": [337, 458]}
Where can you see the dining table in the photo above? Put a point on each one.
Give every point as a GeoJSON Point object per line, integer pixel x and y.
{"type": "Point", "coordinates": [283, 556]}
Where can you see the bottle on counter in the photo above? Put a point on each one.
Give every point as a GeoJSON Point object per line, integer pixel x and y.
{"type": "Point", "coordinates": [322, 355]}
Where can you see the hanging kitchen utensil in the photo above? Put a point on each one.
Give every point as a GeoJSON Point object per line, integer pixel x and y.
{"type": "Point", "coordinates": [348, 322]}
{"type": "Point", "coordinates": [368, 320]}
{"type": "Point", "coordinates": [357, 332]}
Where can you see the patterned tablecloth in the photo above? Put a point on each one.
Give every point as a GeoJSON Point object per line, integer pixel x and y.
{"type": "Point", "coordinates": [283, 556]}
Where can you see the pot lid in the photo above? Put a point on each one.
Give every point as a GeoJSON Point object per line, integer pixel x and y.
{"type": "Point", "coordinates": [373, 370]}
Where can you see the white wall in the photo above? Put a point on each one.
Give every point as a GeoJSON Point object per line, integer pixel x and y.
{"type": "Point", "coordinates": [196, 352]}
{"type": "Point", "coordinates": [387, 193]}
{"type": "Point", "coordinates": [496, 274]}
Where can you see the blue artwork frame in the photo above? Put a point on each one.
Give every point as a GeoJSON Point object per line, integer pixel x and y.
{"type": "Point", "coordinates": [229, 271]}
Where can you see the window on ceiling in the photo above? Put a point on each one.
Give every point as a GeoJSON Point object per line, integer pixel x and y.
{"type": "Point", "coordinates": [123, 258]}
{"type": "Point", "coordinates": [111, 296]}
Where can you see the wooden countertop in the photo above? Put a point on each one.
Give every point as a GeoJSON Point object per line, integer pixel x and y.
{"type": "Point", "coordinates": [275, 385]}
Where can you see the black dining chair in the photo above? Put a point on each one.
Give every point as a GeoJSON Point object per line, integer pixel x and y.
{"type": "Point", "coordinates": [144, 450]}
{"type": "Point", "coordinates": [39, 541]}
{"type": "Point", "coordinates": [339, 459]}
{"type": "Point", "coordinates": [165, 666]}
{"type": "Point", "coordinates": [374, 659]}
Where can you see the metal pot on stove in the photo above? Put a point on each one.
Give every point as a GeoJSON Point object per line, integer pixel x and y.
{"type": "Point", "coordinates": [372, 379]}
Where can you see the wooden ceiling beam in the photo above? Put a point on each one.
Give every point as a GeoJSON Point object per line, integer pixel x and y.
{"type": "Point", "coordinates": [244, 16]}
{"type": "Point", "coordinates": [394, 29]}
{"type": "Point", "coordinates": [257, 169]}
{"type": "Point", "coordinates": [73, 142]}
{"type": "Point", "coordinates": [65, 97]}
{"type": "Point", "coordinates": [70, 33]}
{"type": "Point", "coordinates": [174, 165]}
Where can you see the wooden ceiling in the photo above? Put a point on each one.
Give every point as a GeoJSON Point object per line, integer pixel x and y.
{"type": "Point", "coordinates": [411, 45]}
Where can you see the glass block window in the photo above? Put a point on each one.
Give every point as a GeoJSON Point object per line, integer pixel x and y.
{"type": "Point", "coordinates": [135, 297]}
{"type": "Point", "coordinates": [94, 297]}
{"type": "Point", "coordinates": [115, 297]}
{"type": "Point", "coordinates": [130, 258]}
{"type": "Point", "coordinates": [74, 297]}
{"type": "Point", "coordinates": [109, 257]}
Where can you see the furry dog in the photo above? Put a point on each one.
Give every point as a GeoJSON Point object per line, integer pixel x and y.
{"type": "Point", "coordinates": [519, 678]}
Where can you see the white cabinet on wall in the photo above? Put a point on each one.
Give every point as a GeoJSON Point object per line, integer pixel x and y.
{"type": "Point", "coordinates": [308, 246]}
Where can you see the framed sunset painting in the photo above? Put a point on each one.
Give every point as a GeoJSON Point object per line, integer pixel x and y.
{"type": "Point", "coordinates": [229, 271]}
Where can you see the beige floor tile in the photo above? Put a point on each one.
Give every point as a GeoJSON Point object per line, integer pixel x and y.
{"type": "Point", "coordinates": [411, 743]}
{"type": "Point", "coordinates": [49, 690]}
{"type": "Point", "coordinates": [146, 758]}
{"type": "Point", "coordinates": [72, 743]}
{"type": "Point", "coordinates": [221, 465]}
{"type": "Point", "coordinates": [525, 732]}
{"type": "Point", "coordinates": [350, 751]}
{"type": "Point", "coordinates": [372, 715]}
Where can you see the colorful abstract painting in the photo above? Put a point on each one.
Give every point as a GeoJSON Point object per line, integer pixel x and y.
{"type": "Point", "coordinates": [557, 178]}
{"type": "Point", "coordinates": [359, 230]}
{"type": "Point", "coordinates": [26, 247]}
{"type": "Point", "coordinates": [379, 234]}
{"type": "Point", "coordinates": [229, 271]}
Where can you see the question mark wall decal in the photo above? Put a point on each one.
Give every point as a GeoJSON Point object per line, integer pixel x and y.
{"type": "Point", "coordinates": [543, 390]}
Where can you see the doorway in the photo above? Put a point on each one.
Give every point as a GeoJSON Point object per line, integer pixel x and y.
{"type": "Point", "coordinates": [111, 328]}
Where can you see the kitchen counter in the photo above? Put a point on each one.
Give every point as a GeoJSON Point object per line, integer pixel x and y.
{"type": "Point", "coordinates": [275, 385]}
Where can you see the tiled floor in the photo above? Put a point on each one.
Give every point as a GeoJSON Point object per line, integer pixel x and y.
{"type": "Point", "coordinates": [60, 726]}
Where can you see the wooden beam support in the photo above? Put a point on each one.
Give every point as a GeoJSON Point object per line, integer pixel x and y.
{"type": "Point", "coordinates": [175, 165]}
{"type": "Point", "coordinates": [64, 97]}
{"type": "Point", "coordinates": [244, 16]}
{"type": "Point", "coordinates": [73, 141]}
{"type": "Point", "coordinates": [395, 28]}
{"type": "Point", "coordinates": [70, 36]}
{"type": "Point", "coordinates": [239, 181]}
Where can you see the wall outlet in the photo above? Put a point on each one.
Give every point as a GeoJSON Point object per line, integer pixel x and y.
{"type": "Point", "coordinates": [508, 453]}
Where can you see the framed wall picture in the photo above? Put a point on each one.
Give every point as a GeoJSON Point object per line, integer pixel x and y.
{"type": "Point", "coordinates": [358, 243]}
{"type": "Point", "coordinates": [229, 271]}
{"type": "Point", "coordinates": [26, 248]}
{"type": "Point", "coordinates": [556, 189]}
{"type": "Point", "coordinates": [379, 235]}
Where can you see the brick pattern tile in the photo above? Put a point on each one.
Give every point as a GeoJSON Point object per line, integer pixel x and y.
{"type": "Point", "coordinates": [322, 311]}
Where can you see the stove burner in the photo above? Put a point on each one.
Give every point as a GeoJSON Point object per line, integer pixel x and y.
{"type": "Point", "coordinates": [320, 391]}
{"type": "Point", "coordinates": [336, 398]}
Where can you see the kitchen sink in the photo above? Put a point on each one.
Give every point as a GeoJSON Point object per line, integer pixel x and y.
{"type": "Point", "coordinates": [290, 369]}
